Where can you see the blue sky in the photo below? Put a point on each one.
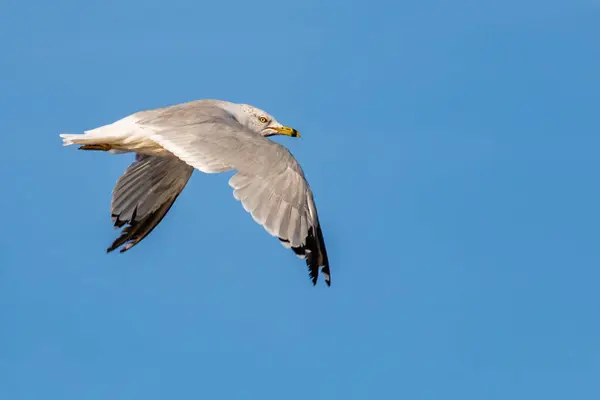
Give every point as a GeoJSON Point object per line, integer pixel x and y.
{"type": "Point", "coordinates": [453, 151]}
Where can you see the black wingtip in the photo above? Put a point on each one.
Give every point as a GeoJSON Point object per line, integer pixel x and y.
{"type": "Point", "coordinates": [137, 229]}
{"type": "Point", "coordinates": [315, 254]}
{"type": "Point", "coordinates": [326, 275]}
{"type": "Point", "coordinates": [314, 275]}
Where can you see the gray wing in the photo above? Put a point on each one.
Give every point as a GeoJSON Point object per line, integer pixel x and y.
{"type": "Point", "coordinates": [269, 181]}
{"type": "Point", "coordinates": [144, 194]}
{"type": "Point", "coordinates": [283, 204]}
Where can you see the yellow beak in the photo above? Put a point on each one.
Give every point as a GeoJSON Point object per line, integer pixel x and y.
{"type": "Point", "coordinates": [286, 130]}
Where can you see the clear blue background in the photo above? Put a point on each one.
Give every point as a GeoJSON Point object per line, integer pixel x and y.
{"type": "Point", "coordinates": [453, 151]}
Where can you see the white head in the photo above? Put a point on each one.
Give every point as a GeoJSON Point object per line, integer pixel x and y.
{"type": "Point", "coordinates": [262, 122]}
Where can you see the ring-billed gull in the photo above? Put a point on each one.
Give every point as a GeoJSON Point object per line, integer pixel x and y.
{"type": "Point", "coordinates": [211, 136]}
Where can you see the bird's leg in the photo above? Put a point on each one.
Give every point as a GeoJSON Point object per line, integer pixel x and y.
{"type": "Point", "coordinates": [99, 147]}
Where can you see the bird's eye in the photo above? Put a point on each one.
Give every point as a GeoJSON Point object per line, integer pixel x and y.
{"type": "Point", "coordinates": [262, 119]}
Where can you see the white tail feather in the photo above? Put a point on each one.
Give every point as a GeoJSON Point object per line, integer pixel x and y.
{"type": "Point", "coordinates": [69, 138]}
{"type": "Point", "coordinates": [117, 132]}
{"type": "Point", "coordinates": [84, 138]}
{"type": "Point", "coordinates": [124, 135]}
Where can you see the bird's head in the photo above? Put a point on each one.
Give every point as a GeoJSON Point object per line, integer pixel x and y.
{"type": "Point", "coordinates": [265, 124]}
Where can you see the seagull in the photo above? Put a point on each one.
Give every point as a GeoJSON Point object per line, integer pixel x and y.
{"type": "Point", "coordinates": [211, 136]}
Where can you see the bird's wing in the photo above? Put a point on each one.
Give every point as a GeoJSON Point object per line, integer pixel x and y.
{"type": "Point", "coordinates": [269, 181]}
{"type": "Point", "coordinates": [144, 194]}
